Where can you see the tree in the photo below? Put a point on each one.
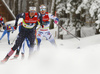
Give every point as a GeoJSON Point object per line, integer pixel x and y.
{"type": "Point", "coordinates": [66, 10]}
{"type": "Point", "coordinates": [63, 8]}
{"type": "Point", "coordinates": [16, 5]}
{"type": "Point", "coordinates": [91, 8]}
{"type": "Point", "coordinates": [53, 10]}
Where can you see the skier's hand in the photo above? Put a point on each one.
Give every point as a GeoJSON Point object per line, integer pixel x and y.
{"type": "Point", "coordinates": [4, 27]}
{"type": "Point", "coordinates": [15, 27]}
{"type": "Point", "coordinates": [12, 31]}
{"type": "Point", "coordinates": [56, 22]}
{"type": "Point", "coordinates": [38, 28]}
{"type": "Point", "coordinates": [42, 26]}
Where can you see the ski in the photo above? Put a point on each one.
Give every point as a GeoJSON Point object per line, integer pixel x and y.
{"type": "Point", "coordinates": [13, 58]}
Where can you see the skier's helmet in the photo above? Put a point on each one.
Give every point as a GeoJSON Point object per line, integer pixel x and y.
{"type": "Point", "coordinates": [42, 7]}
{"type": "Point", "coordinates": [32, 8]}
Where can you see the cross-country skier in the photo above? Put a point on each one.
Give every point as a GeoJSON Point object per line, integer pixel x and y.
{"type": "Point", "coordinates": [44, 30]}
{"type": "Point", "coordinates": [21, 47]}
{"type": "Point", "coordinates": [7, 30]}
{"type": "Point", "coordinates": [30, 22]}
{"type": "Point", "coordinates": [1, 22]}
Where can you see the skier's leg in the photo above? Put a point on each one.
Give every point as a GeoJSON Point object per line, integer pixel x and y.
{"type": "Point", "coordinates": [39, 38]}
{"type": "Point", "coordinates": [3, 34]}
{"type": "Point", "coordinates": [31, 38]}
{"type": "Point", "coordinates": [38, 43]}
{"type": "Point", "coordinates": [18, 42]}
{"type": "Point", "coordinates": [18, 51]}
{"type": "Point", "coordinates": [28, 43]}
{"type": "Point", "coordinates": [50, 38]}
{"type": "Point", "coordinates": [23, 50]}
{"type": "Point", "coordinates": [8, 34]}
{"type": "Point", "coordinates": [23, 47]}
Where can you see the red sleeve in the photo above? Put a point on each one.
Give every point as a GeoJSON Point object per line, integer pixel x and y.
{"type": "Point", "coordinates": [1, 19]}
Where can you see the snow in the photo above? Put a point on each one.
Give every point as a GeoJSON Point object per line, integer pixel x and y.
{"type": "Point", "coordinates": [12, 22]}
{"type": "Point", "coordinates": [65, 59]}
{"type": "Point", "coordinates": [87, 31]}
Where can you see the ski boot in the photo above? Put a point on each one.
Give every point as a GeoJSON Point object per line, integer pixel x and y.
{"type": "Point", "coordinates": [16, 56]}
{"type": "Point", "coordinates": [5, 59]}
{"type": "Point", "coordinates": [22, 56]}
{"type": "Point", "coordinates": [9, 42]}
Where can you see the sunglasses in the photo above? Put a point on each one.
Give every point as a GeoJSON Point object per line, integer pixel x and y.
{"type": "Point", "coordinates": [42, 9]}
{"type": "Point", "coordinates": [32, 11]}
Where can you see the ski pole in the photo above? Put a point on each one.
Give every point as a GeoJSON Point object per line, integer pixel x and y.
{"type": "Point", "coordinates": [69, 32]}
{"type": "Point", "coordinates": [10, 30]}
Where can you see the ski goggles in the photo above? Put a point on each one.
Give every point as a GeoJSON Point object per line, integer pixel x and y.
{"type": "Point", "coordinates": [32, 8]}
{"type": "Point", "coordinates": [42, 9]}
{"type": "Point", "coordinates": [32, 11]}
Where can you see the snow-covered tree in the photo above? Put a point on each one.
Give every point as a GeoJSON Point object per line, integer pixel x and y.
{"type": "Point", "coordinates": [92, 10]}
{"type": "Point", "coordinates": [69, 12]}
{"type": "Point", "coordinates": [53, 10]}
{"type": "Point", "coordinates": [66, 12]}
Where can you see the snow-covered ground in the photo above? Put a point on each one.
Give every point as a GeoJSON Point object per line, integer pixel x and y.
{"type": "Point", "coordinates": [65, 59]}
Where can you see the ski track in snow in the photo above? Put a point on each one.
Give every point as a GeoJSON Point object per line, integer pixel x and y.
{"type": "Point", "coordinates": [63, 59]}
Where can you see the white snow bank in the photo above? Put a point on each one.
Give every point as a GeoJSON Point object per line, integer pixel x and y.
{"type": "Point", "coordinates": [87, 31]}
{"type": "Point", "coordinates": [13, 22]}
{"type": "Point", "coordinates": [65, 59]}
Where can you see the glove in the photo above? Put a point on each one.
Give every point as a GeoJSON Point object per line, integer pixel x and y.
{"type": "Point", "coordinates": [56, 22]}
{"type": "Point", "coordinates": [15, 27]}
{"type": "Point", "coordinates": [12, 31]}
{"type": "Point", "coordinates": [42, 26]}
{"type": "Point", "coordinates": [4, 27]}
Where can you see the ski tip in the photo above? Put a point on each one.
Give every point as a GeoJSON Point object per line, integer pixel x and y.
{"type": "Point", "coordinates": [1, 62]}
{"type": "Point", "coordinates": [12, 58]}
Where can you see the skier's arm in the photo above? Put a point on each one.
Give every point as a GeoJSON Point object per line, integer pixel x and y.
{"type": "Point", "coordinates": [39, 21]}
{"type": "Point", "coordinates": [12, 28]}
{"type": "Point", "coordinates": [22, 15]}
{"type": "Point", "coordinates": [39, 26]}
{"type": "Point", "coordinates": [3, 23]}
{"type": "Point", "coordinates": [40, 18]}
{"type": "Point", "coordinates": [53, 17]}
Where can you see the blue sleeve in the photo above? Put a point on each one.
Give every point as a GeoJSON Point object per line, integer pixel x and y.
{"type": "Point", "coordinates": [19, 28]}
{"type": "Point", "coordinates": [12, 28]}
{"type": "Point", "coordinates": [57, 19]}
{"type": "Point", "coordinates": [22, 15]}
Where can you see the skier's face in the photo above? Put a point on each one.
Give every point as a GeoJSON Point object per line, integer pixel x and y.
{"type": "Point", "coordinates": [42, 11]}
{"type": "Point", "coordinates": [32, 12]}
